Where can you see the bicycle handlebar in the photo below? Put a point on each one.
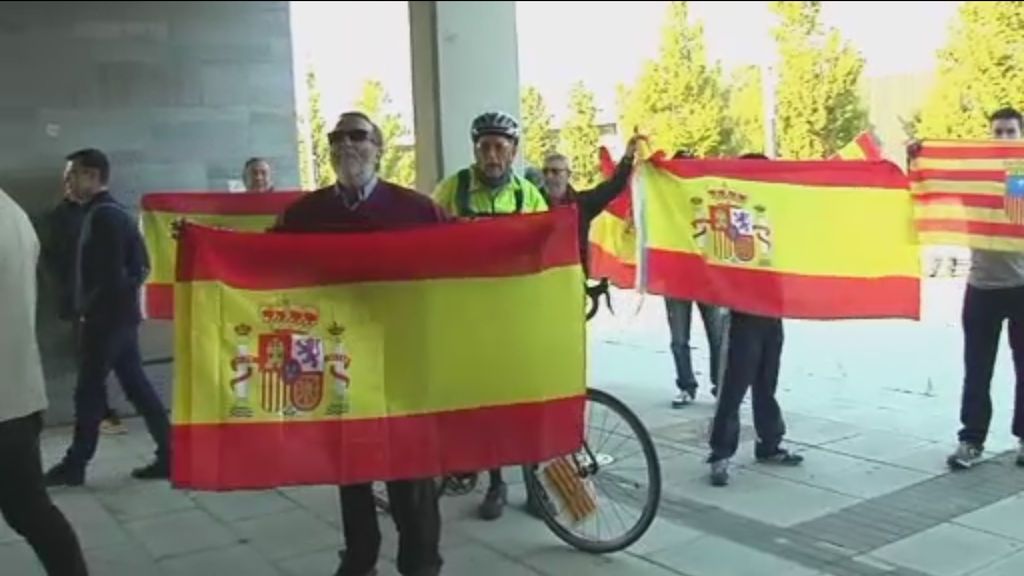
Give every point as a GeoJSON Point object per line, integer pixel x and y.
{"type": "Point", "coordinates": [594, 293]}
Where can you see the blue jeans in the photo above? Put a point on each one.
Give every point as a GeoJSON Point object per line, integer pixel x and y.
{"type": "Point", "coordinates": [679, 322]}
{"type": "Point", "coordinates": [106, 348]}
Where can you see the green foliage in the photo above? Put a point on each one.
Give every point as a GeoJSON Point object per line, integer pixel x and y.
{"type": "Point", "coordinates": [981, 69]}
{"type": "Point", "coordinates": [818, 105]}
{"type": "Point", "coordinates": [746, 111]}
{"type": "Point", "coordinates": [323, 172]}
{"type": "Point", "coordinates": [306, 180]}
{"type": "Point", "coordinates": [581, 137]}
{"type": "Point", "coordinates": [539, 137]}
{"type": "Point", "coordinates": [678, 99]}
{"type": "Point", "coordinates": [398, 161]}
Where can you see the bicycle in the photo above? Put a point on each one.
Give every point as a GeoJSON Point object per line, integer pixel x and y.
{"type": "Point", "coordinates": [567, 486]}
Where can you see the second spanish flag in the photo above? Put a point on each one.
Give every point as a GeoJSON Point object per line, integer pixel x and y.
{"type": "Point", "coordinates": [822, 240]}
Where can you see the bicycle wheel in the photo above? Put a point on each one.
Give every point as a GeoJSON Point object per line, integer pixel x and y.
{"type": "Point", "coordinates": [615, 472]}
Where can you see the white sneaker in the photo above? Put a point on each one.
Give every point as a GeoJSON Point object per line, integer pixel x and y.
{"type": "Point", "coordinates": [966, 455]}
{"type": "Point", "coordinates": [682, 399]}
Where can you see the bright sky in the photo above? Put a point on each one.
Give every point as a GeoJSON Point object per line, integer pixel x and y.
{"type": "Point", "coordinates": [603, 44]}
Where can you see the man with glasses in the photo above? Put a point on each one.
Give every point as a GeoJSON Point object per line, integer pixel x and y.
{"type": "Point", "coordinates": [995, 292]}
{"type": "Point", "coordinates": [557, 174]}
{"type": "Point", "coordinates": [360, 201]}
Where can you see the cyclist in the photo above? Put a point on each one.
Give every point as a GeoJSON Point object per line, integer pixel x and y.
{"type": "Point", "coordinates": [490, 187]}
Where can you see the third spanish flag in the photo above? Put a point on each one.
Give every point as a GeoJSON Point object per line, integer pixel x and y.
{"type": "Point", "coordinates": [822, 239]}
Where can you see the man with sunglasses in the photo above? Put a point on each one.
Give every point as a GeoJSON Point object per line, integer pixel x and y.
{"type": "Point", "coordinates": [361, 201]}
{"type": "Point", "coordinates": [995, 292]}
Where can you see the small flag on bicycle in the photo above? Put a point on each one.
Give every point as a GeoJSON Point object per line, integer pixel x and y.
{"type": "Point", "coordinates": [300, 359]}
{"type": "Point", "coordinates": [160, 210]}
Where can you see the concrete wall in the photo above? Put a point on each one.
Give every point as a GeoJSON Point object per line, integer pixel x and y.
{"type": "Point", "coordinates": [178, 93]}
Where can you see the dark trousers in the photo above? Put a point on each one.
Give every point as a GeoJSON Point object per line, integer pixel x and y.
{"type": "Point", "coordinates": [106, 348]}
{"type": "Point", "coordinates": [415, 510]}
{"type": "Point", "coordinates": [680, 313]}
{"type": "Point", "coordinates": [753, 356]}
{"type": "Point", "coordinates": [25, 504]}
{"type": "Point", "coordinates": [983, 315]}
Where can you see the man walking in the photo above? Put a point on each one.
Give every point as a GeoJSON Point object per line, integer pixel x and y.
{"type": "Point", "coordinates": [24, 502]}
{"type": "Point", "coordinates": [110, 266]}
{"type": "Point", "coordinates": [361, 201]}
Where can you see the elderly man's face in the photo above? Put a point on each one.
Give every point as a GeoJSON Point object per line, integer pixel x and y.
{"type": "Point", "coordinates": [258, 178]}
{"type": "Point", "coordinates": [494, 155]}
{"type": "Point", "coordinates": [556, 175]}
{"type": "Point", "coordinates": [354, 150]}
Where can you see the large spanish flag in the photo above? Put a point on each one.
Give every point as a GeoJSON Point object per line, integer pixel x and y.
{"type": "Point", "coordinates": [970, 193]}
{"type": "Point", "coordinates": [160, 210]}
{"type": "Point", "coordinates": [347, 358]}
{"type": "Point", "coordinates": [823, 239]}
{"type": "Point", "coordinates": [613, 249]}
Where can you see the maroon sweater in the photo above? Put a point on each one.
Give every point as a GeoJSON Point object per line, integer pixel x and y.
{"type": "Point", "coordinates": [387, 207]}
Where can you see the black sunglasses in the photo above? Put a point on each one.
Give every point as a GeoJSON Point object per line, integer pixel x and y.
{"type": "Point", "coordinates": [357, 135]}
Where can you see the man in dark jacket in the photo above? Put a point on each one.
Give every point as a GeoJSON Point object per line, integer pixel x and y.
{"type": "Point", "coordinates": [558, 191]}
{"type": "Point", "coordinates": [360, 201]}
{"type": "Point", "coordinates": [63, 225]}
{"type": "Point", "coordinates": [110, 266]}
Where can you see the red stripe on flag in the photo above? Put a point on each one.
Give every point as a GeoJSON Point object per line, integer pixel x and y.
{"type": "Point", "coordinates": [159, 301]}
{"type": "Point", "coordinates": [953, 199]}
{"type": "Point", "coordinates": [226, 203]}
{"type": "Point", "coordinates": [268, 455]}
{"type": "Point", "coordinates": [979, 152]}
{"type": "Point", "coordinates": [604, 265]}
{"type": "Point", "coordinates": [494, 247]}
{"type": "Point", "coordinates": [845, 173]}
{"type": "Point", "coordinates": [766, 293]}
{"type": "Point", "coordinates": [869, 145]}
{"type": "Point", "coordinates": [995, 176]}
{"type": "Point", "coordinates": [972, 227]}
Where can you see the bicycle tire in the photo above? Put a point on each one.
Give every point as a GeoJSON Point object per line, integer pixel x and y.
{"type": "Point", "coordinates": [650, 507]}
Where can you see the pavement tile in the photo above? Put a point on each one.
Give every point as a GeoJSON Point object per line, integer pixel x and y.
{"type": "Point", "coordinates": [948, 550]}
{"type": "Point", "coordinates": [180, 533]}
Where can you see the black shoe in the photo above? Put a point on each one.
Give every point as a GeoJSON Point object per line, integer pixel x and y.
{"type": "Point", "coordinates": [158, 470]}
{"type": "Point", "coordinates": [779, 457]}
{"type": "Point", "coordinates": [494, 502]}
{"type": "Point", "coordinates": [64, 475]}
{"type": "Point", "coordinates": [342, 572]}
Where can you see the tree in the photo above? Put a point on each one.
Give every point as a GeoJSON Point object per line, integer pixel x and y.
{"type": "Point", "coordinates": [581, 137]}
{"type": "Point", "coordinates": [746, 112]}
{"type": "Point", "coordinates": [323, 172]}
{"type": "Point", "coordinates": [981, 69]}
{"type": "Point", "coordinates": [678, 99]}
{"type": "Point", "coordinates": [306, 179]}
{"type": "Point", "coordinates": [539, 137]}
{"type": "Point", "coordinates": [818, 107]}
{"type": "Point", "coordinates": [398, 162]}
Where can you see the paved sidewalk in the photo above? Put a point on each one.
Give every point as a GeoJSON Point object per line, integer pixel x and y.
{"type": "Point", "coordinates": [873, 406]}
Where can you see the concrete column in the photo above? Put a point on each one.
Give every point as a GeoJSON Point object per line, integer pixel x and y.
{"type": "Point", "coordinates": [465, 60]}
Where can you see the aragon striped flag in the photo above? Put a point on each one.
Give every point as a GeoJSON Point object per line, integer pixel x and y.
{"type": "Point", "coordinates": [970, 193]}
{"type": "Point", "coordinates": [160, 210]}
{"type": "Point", "coordinates": [613, 247]}
{"type": "Point", "coordinates": [816, 240]}
{"type": "Point", "coordinates": [347, 358]}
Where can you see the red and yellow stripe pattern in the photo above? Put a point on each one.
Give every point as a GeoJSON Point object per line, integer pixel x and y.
{"type": "Point", "coordinates": [962, 193]}
{"type": "Point", "coordinates": [301, 359]}
{"type": "Point", "coordinates": [160, 210]}
{"type": "Point", "coordinates": [865, 146]}
{"type": "Point", "coordinates": [613, 249]}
